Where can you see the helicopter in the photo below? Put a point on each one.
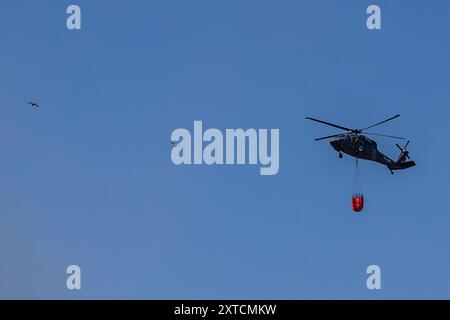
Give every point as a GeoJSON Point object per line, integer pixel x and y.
{"type": "Point", "coordinates": [355, 143]}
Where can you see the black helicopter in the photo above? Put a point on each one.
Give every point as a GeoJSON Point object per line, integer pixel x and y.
{"type": "Point", "coordinates": [355, 143]}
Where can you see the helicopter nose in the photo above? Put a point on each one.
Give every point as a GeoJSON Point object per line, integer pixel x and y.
{"type": "Point", "coordinates": [336, 142]}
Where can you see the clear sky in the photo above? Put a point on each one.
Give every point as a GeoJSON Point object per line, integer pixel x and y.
{"type": "Point", "coordinates": [87, 179]}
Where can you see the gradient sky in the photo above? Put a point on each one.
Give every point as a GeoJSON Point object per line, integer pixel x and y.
{"type": "Point", "coordinates": [87, 179]}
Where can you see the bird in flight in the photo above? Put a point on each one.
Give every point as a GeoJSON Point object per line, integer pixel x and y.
{"type": "Point", "coordinates": [33, 104]}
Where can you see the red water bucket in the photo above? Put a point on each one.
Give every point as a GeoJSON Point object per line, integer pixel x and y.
{"type": "Point", "coordinates": [357, 202]}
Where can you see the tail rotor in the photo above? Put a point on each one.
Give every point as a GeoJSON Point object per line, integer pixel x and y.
{"type": "Point", "coordinates": [404, 153]}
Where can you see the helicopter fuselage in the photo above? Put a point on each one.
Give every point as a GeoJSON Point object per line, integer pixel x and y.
{"type": "Point", "coordinates": [361, 147]}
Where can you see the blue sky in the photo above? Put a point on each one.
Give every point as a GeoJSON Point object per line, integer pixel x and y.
{"type": "Point", "coordinates": [87, 179]}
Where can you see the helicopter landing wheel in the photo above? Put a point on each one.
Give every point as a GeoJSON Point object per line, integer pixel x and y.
{"type": "Point", "coordinates": [392, 172]}
{"type": "Point", "coordinates": [340, 155]}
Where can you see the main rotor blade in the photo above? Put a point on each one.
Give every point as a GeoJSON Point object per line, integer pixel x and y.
{"type": "Point", "coordinates": [329, 124]}
{"type": "Point", "coordinates": [332, 136]}
{"type": "Point", "coordinates": [384, 135]}
{"type": "Point", "coordinates": [376, 124]}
